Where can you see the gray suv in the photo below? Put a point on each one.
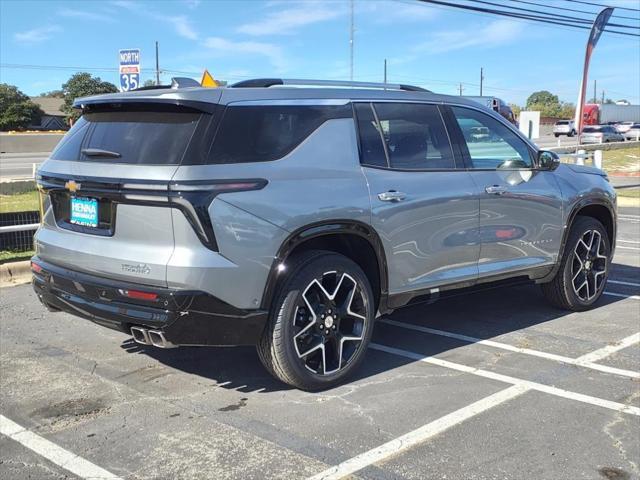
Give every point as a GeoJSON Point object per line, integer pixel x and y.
{"type": "Point", "coordinates": [290, 218]}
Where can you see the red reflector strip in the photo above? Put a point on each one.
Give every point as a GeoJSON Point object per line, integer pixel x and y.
{"type": "Point", "coordinates": [36, 268]}
{"type": "Point", "coordinates": [138, 295]}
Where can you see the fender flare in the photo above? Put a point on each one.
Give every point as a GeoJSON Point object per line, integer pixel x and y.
{"type": "Point", "coordinates": [327, 228]}
{"type": "Point", "coordinates": [575, 209]}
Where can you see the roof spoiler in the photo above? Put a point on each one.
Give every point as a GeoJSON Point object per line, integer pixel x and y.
{"type": "Point", "coordinates": [271, 82]}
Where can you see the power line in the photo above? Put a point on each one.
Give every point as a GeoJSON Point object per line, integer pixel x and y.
{"type": "Point", "coordinates": [565, 9]}
{"type": "Point", "coordinates": [552, 15]}
{"type": "Point", "coordinates": [602, 5]}
{"type": "Point", "coordinates": [535, 18]}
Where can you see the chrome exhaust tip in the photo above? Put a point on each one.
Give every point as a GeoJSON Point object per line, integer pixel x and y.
{"type": "Point", "coordinates": [140, 335]}
{"type": "Point", "coordinates": [157, 339]}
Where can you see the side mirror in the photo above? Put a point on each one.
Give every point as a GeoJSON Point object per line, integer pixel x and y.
{"type": "Point", "coordinates": [548, 160]}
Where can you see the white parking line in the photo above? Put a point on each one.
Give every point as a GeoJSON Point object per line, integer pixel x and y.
{"type": "Point", "coordinates": [621, 295]}
{"type": "Point", "coordinates": [419, 435]}
{"type": "Point", "coordinates": [627, 248]}
{"type": "Point", "coordinates": [52, 452]}
{"type": "Point", "coordinates": [619, 282]}
{"type": "Point", "coordinates": [527, 351]}
{"type": "Point", "coordinates": [628, 241]}
{"type": "Point", "coordinates": [559, 392]}
{"type": "Point", "coordinates": [609, 349]}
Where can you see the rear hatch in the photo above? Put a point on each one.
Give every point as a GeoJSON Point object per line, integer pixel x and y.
{"type": "Point", "coordinates": [106, 202]}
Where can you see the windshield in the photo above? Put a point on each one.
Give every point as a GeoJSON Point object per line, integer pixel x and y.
{"type": "Point", "coordinates": [591, 129]}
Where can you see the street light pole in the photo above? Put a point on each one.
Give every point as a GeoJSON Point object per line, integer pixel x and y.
{"type": "Point", "coordinates": [157, 66]}
{"type": "Point", "coordinates": [481, 79]}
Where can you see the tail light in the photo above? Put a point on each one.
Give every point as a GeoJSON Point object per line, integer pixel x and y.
{"type": "Point", "coordinates": [138, 295]}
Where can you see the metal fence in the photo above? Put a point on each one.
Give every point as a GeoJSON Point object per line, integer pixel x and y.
{"type": "Point", "coordinates": [17, 229]}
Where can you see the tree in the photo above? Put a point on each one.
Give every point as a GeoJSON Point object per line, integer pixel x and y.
{"type": "Point", "coordinates": [52, 94]}
{"type": "Point", "coordinates": [568, 110]}
{"type": "Point", "coordinates": [149, 83]}
{"type": "Point", "coordinates": [545, 102]}
{"type": "Point", "coordinates": [81, 85]}
{"type": "Point", "coordinates": [17, 111]}
{"type": "Point", "coordinates": [516, 109]}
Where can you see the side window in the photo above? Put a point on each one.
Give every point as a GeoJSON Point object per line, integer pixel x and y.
{"type": "Point", "coordinates": [491, 144]}
{"type": "Point", "coordinates": [268, 132]}
{"type": "Point", "coordinates": [371, 147]}
{"type": "Point", "coordinates": [415, 136]}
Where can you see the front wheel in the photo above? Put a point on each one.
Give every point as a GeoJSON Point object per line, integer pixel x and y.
{"type": "Point", "coordinates": [584, 267]}
{"type": "Point", "coordinates": [321, 322]}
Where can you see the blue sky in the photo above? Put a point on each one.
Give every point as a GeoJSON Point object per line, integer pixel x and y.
{"type": "Point", "coordinates": [435, 47]}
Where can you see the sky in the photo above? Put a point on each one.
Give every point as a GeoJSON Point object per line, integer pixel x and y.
{"type": "Point", "coordinates": [431, 46]}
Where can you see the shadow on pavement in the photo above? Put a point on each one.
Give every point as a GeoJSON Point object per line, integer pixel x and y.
{"type": "Point", "coordinates": [484, 315]}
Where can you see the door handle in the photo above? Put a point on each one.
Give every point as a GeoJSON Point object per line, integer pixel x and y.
{"type": "Point", "coordinates": [495, 190]}
{"type": "Point", "coordinates": [392, 196]}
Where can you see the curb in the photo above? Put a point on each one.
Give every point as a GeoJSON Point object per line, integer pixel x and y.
{"type": "Point", "coordinates": [628, 202]}
{"type": "Point", "coordinates": [15, 273]}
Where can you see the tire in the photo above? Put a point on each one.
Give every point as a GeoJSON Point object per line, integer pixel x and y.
{"type": "Point", "coordinates": [308, 352]}
{"type": "Point", "coordinates": [556, 135]}
{"type": "Point", "coordinates": [567, 289]}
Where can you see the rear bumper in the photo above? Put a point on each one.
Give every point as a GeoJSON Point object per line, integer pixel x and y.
{"type": "Point", "coordinates": [184, 317]}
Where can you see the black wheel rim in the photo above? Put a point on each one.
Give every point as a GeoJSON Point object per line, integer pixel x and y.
{"type": "Point", "coordinates": [589, 265]}
{"type": "Point", "coordinates": [329, 322]}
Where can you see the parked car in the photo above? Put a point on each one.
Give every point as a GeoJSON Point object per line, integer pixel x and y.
{"type": "Point", "coordinates": [623, 127]}
{"type": "Point", "coordinates": [564, 127]}
{"type": "Point", "coordinates": [600, 134]}
{"type": "Point", "coordinates": [291, 218]}
{"type": "Point", "coordinates": [633, 133]}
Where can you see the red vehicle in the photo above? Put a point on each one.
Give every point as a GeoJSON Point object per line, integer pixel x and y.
{"type": "Point", "coordinates": [596, 114]}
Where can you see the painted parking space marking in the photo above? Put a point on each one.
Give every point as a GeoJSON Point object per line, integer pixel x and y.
{"type": "Point", "coordinates": [54, 453]}
{"type": "Point", "coordinates": [620, 282]}
{"type": "Point", "coordinates": [604, 352]}
{"type": "Point", "coordinates": [559, 392]}
{"type": "Point", "coordinates": [419, 435]}
{"type": "Point", "coordinates": [622, 295]}
{"type": "Point", "coordinates": [624, 247]}
{"type": "Point", "coordinates": [628, 241]}
{"type": "Point", "coordinates": [505, 346]}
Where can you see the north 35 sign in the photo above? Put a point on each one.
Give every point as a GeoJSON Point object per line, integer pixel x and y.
{"type": "Point", "coordinates": [129, 69]}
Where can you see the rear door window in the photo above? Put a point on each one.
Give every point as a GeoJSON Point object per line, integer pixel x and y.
{"type": "Point", "coordinates": [139, 137]}
{"type": "Point", "coordinates": [414, 135]}
{"type": "Point", "coordinates": [371, 147]}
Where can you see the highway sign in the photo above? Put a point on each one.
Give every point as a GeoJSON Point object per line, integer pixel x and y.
{"type": "Point", "coordinates": [129, 69]}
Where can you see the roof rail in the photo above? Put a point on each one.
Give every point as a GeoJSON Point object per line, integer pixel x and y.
{"type": "Point", "coordinates": [270, 82]}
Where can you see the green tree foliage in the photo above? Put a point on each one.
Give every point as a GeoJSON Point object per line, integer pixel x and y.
{"type": "Point", "coordinates": [544, 102]}
{"type": "Point", "coordinates": [81, 85]}
{"type": "Point", "coordinates": [52, 94]}
{"type": "Point", "coordinates": [17, 110]}
{"type": "Point", "coordinates": [149, 83]}
{"type": "Point", "coordinates": [516, 109]}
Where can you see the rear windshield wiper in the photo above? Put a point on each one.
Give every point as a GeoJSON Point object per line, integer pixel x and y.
{"type": "Point", "coordinates": [97, 152]}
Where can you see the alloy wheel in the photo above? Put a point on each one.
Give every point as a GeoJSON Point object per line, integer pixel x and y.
{"type": "Point", "coordinates": [329, 322]}
{"type": "Point", "coordinates": [589, 265]}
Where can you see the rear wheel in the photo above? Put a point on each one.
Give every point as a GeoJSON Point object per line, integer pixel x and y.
{"type": "Point", "coordinates": [584, 267]}
{"type": "Point", "coordinates": [321, 322]}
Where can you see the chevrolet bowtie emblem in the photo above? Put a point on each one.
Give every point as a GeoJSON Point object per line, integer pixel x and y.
{"type": "Point", "coordinates": [72, 186]}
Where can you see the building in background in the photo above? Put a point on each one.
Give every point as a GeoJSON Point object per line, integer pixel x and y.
{"type": "Point", "coordinates": [53, 118]}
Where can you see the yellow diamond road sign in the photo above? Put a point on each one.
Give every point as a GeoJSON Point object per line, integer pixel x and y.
{"type": "Point", "coordinates": [208, 80]}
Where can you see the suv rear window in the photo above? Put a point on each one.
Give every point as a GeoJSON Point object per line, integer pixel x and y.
{"type": "Point", "coordinates": [562, 122]}
{"type": "Point", "coordinates": [135, 137]}
{"type": "Point", "coordinates": [261, 133]}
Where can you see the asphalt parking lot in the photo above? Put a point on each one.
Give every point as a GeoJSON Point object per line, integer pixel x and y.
{"type": "Point", "coordinates": [494, 385]}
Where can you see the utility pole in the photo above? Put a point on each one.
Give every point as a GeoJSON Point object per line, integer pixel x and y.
{"type": "Point", "coordinates": [385, 71]}
{"type": "Point", "coordinates": [157, 66]}
{"type": "Point", "coordinates": [351, 29]}
{"type": "Point", "coordinates": [595, 91]}
{"type": "Point", "coordinates": [602, 97]}
{"type": "Point", "coordinates": [481, 79]}
{"type": "Point", "coordinates": [460, 88]}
